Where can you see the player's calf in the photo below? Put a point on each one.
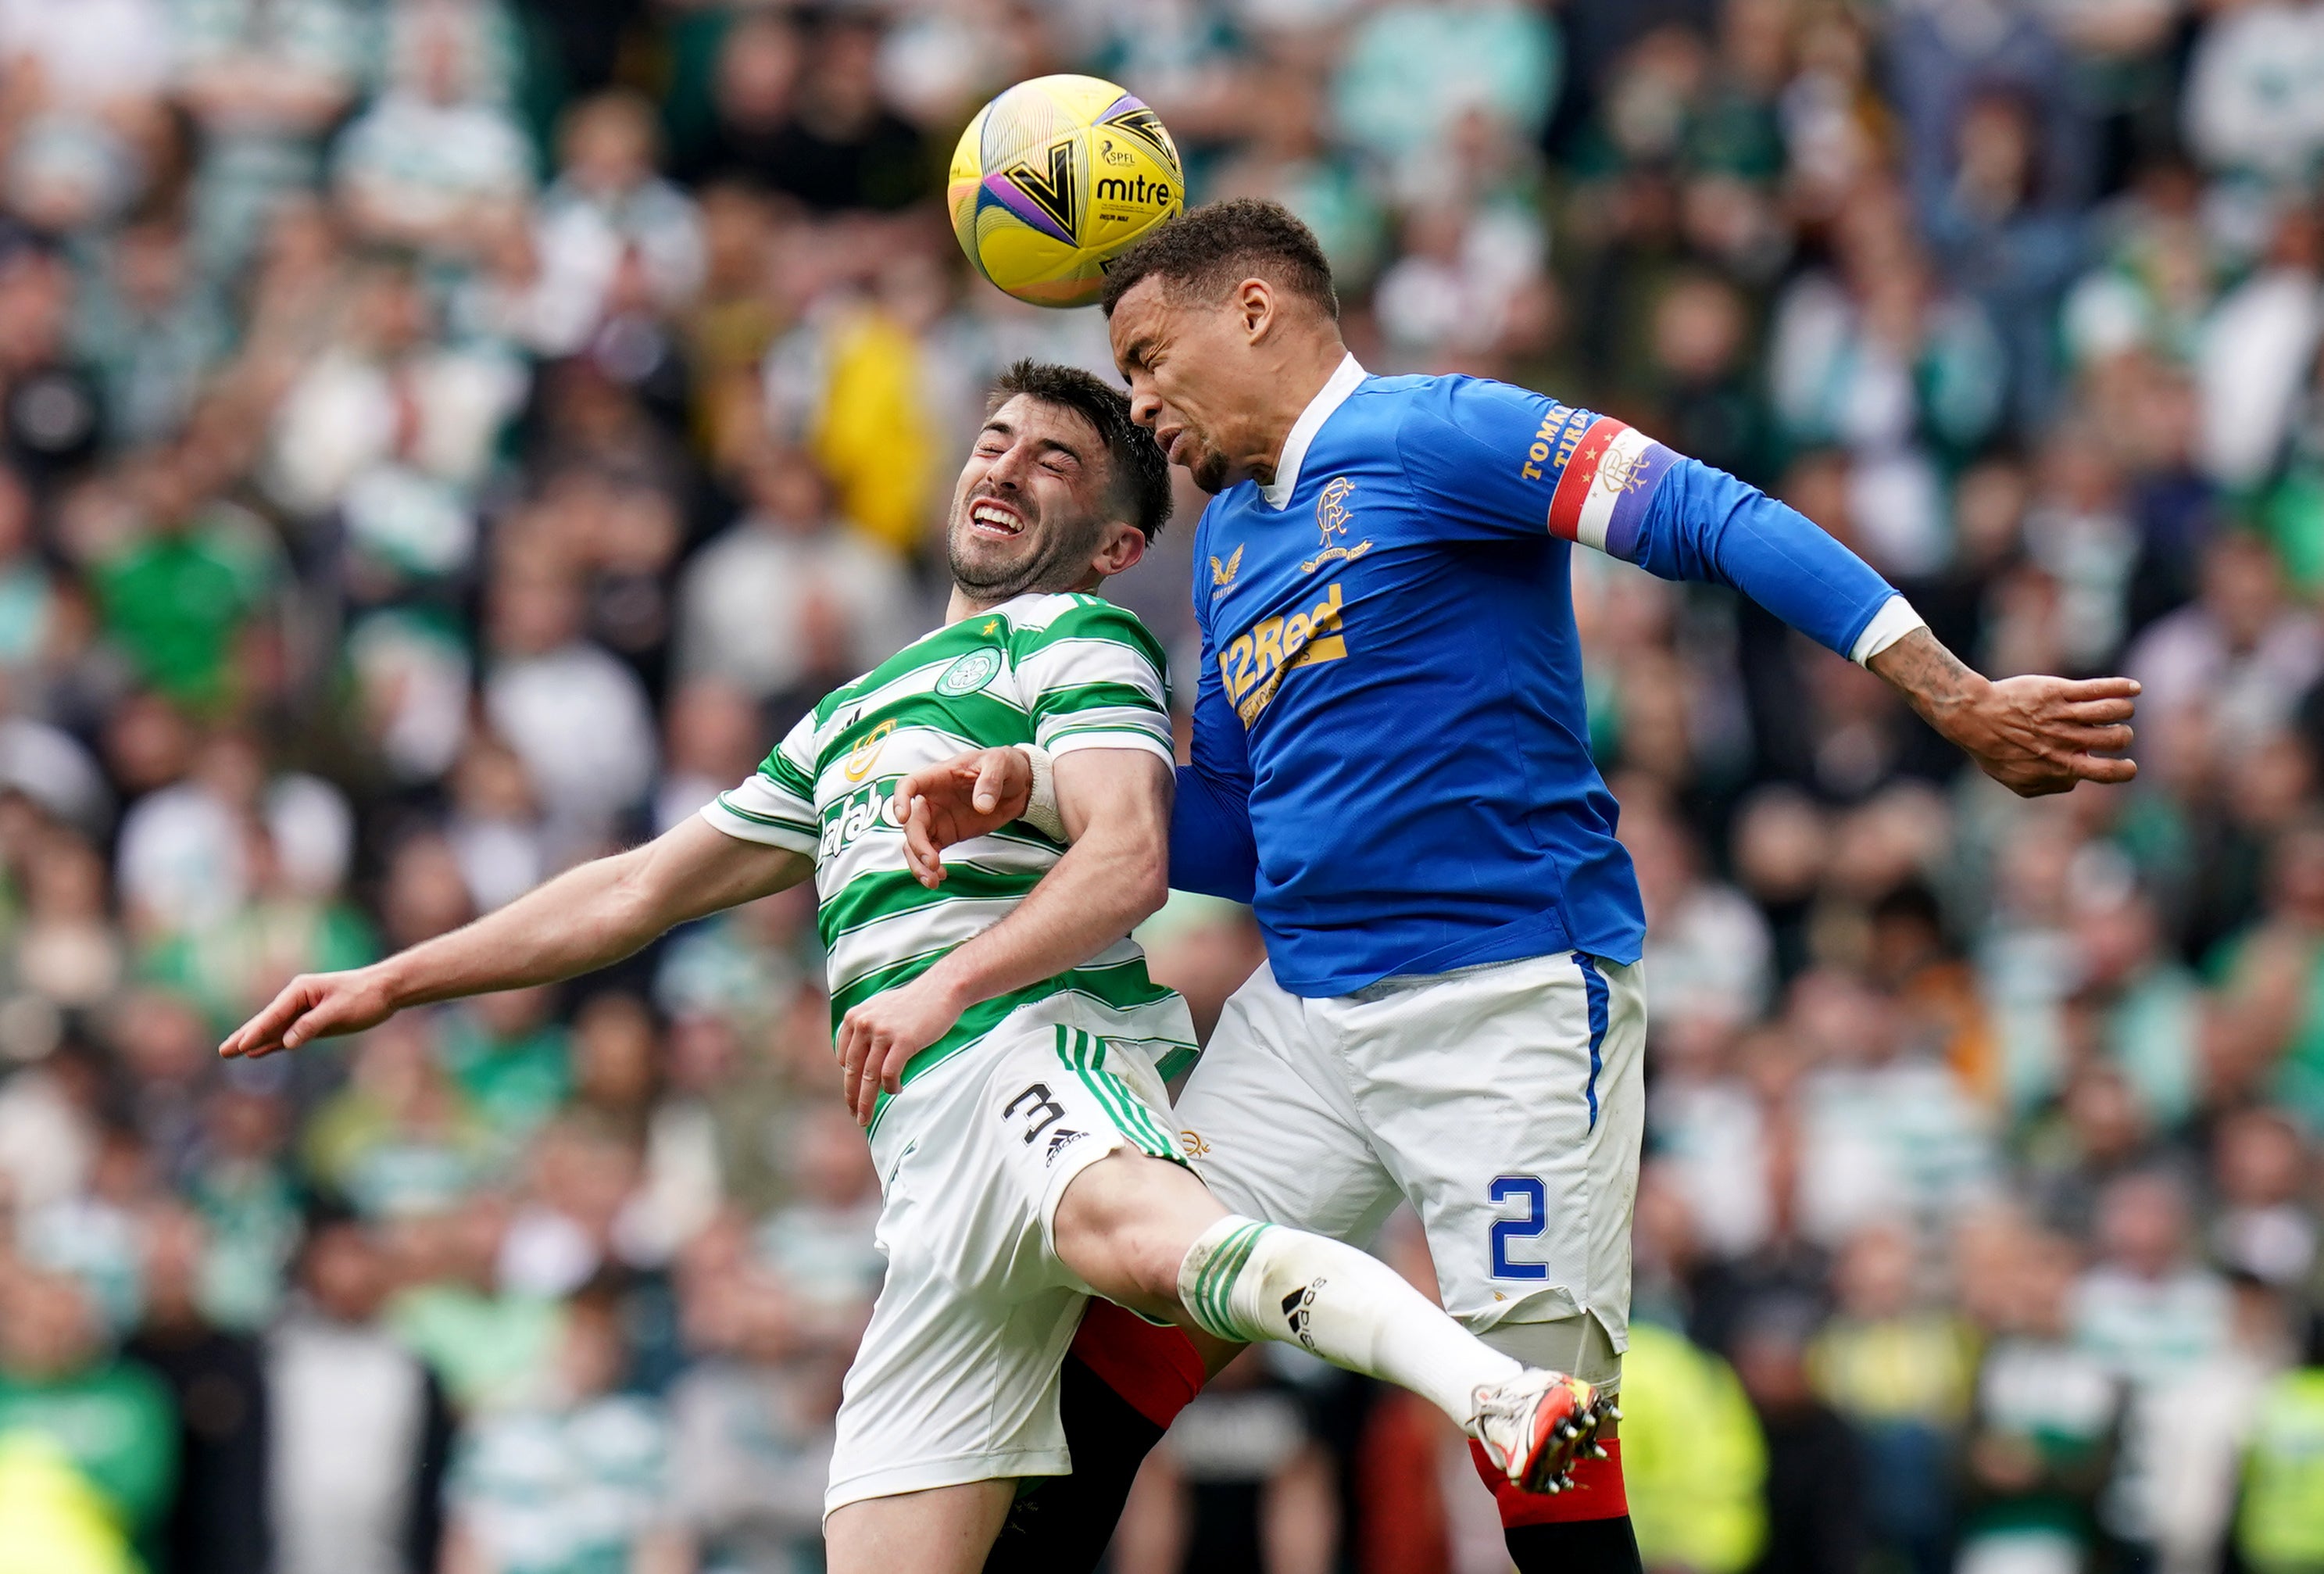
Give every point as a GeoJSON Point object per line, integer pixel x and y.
{"type": "Point", "coordinates": [1148, 1235]}
{"type": "Point", "coordinates": [1586, 1528]}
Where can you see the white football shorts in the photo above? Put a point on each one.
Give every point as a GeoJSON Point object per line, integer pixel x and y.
{"type": "Point", "coordinates": [1504, 1102]}
{"type": "Point", "coordinates": [957, 1379]}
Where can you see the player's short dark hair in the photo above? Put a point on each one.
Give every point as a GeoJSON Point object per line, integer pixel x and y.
{"type": "Point", "coordinates": [1141, 471]}
{"type": "Point", "coordinates": [1206, 251]}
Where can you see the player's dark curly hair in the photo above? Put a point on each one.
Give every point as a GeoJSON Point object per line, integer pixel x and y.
{"type": "Point", "coordinates": [1206, 251]}
{"type": "Point", "coordinates": [1140, 468]}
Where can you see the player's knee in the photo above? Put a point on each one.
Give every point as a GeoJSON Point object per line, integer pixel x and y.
{"type": "Point", "coordinates": [1124, 1224]}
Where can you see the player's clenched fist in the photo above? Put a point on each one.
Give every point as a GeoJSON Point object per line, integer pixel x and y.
{"type": "Point", "coordinates": [968, 795]}
{"type": "Point", "coordinates": [311, 1006]}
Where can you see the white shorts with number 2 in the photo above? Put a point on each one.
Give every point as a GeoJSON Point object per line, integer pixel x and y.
{"type": "Point", "coordinates": [1505, 1103]}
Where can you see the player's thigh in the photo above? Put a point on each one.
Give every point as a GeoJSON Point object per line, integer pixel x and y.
{"type": "Point", "coordinates": [955, 1380]}
{"type": "Point", "coordinates": [1123, 1227]}
{"type": "Point", "coordinates": [1270, 1125]}
{"type": "Point", "coordinates": [1509, 1103]}
{"type": "Point", "coordinates": [944, 1530]}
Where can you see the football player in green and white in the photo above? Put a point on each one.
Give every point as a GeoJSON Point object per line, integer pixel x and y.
{"type": "Point", "coordinates": [999, 1034]}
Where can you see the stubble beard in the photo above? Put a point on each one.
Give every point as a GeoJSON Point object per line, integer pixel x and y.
{"type": "Point", "coordinates": [1208, 468]}
{"type": "Point", "coordinates": [1058, 562]}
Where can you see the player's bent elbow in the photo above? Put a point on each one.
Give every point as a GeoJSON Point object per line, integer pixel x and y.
{"type": "Point", "coordinates": [1148, 885]}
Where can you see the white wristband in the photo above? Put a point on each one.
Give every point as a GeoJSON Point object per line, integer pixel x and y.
{"type": "Point", "coordinates": [1893, 622]}
{"type": "Point", "coordinates": [1041, 804]}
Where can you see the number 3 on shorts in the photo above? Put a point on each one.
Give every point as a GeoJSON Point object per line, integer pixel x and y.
{"type": "Point", "coordinates": [1528, 1189]}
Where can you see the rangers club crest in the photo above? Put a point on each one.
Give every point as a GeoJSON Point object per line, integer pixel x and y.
{"type": "Point", "coordinates": [1333, 518]}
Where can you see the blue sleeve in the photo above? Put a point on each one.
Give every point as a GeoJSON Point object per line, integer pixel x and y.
{"type": "Point", "coordinates": [1500, 463]}
{"type": "Point", "coordinates": [1212, 851]}
{"type": "Point", "coordinates": [1705, 524]}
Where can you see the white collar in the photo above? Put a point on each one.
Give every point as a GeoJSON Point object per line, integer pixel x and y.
{"type": "Point", "coordinates": [1333, 394]}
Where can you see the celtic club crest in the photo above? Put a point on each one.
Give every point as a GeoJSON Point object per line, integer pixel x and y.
{"type": "Point", "coordinates": [971, 672]}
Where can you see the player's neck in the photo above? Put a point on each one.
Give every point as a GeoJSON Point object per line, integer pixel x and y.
{"type": "Point", "coordinates": [1306, 370]}
{"type": "Point", "coordinates": [962, 605]}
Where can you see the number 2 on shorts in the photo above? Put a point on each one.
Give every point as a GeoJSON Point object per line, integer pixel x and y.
{"type": "Point", "coordinates": [1535, 1197]}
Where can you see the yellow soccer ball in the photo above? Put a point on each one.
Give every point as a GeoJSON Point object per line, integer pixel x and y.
{"type": "Point", "coordinates": [1053, 179]}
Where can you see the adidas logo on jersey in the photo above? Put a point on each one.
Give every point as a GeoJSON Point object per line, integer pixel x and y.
{"type": "Point", "coordinates": [1064, 1135]}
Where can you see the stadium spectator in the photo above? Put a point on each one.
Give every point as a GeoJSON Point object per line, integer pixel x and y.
{"type": "Point", "coordinates": [578, 1475]}
{"type": "Point", "coordinates": [1819, 1518]}
{"type": "Point", "coordinates": [435, 149]}
{"type": "Point", "coordinates": [218, 1522]}
{"type": "Point", "coordinates": [2046, 1422]}
{"type": "Point", "coordinates": [359, 1426]}
{"type": "Point", "coordinates": [89, 1441]}
{"type": "Point", "coordinates": [750, 1422]}
{"type": "Point", "coordinates": [789, 598]}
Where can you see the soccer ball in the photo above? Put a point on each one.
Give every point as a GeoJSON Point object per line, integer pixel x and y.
{"type": "Point", "coordinates": [1053, 179]}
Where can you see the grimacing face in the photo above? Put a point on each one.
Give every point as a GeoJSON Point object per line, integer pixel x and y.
{"type": "Point", "coordinates": [1183, 360]}
{"type": "Point", "coordinates": [1033, 504]}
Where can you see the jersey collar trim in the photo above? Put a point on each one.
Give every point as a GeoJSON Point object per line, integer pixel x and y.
{"type": "Point", "coordinates": [1333, 394]}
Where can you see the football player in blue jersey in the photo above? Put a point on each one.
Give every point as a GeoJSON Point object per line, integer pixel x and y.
{"type": "Point", "coordinates": [1391, 763]}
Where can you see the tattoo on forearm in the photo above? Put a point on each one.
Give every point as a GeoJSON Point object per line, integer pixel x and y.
{"type": "Point", "coordinates": [1920, 668]}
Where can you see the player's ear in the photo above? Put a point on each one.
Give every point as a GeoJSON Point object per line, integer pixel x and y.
{"type": "Point", "coordinates": [1255, 303]}
{"type": "Point", "coordinates": [1121, 547]}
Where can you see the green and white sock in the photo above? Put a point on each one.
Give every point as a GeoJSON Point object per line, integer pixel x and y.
{"type": "Point", "coordinates": [1246, 1281]}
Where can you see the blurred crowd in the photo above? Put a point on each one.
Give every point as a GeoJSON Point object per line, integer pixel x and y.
{"type": "Point", "coordinates": [441, 440]}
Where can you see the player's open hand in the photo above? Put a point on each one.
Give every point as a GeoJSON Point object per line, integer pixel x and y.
{"type": "Point", "coordinates": [2037, 736]}
{"type": "Point", "coordinates": [968, 795]}
{"type": "Point", "coordinates": [311, 1006]}
{"type": "Point", "coordinates": [2033, 735]}
{"type": "Point", "coordinates": [878, 1038]}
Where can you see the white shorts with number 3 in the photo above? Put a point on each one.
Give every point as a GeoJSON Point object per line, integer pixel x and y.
{"type": "Point", "coordinates": [956, 1378]}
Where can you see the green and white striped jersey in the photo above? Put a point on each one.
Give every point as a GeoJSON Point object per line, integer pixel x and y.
{"type": "Point", "coordinates": [1065, 673]}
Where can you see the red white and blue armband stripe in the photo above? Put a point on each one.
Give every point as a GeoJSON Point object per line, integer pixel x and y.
{"type": "Point", "coordinates": [1605, 485]}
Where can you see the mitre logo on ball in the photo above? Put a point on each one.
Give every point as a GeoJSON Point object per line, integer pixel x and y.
{"type": "Point", "coordinates": [1053, 179]}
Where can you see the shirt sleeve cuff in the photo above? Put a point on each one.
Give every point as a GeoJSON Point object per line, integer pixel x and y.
{"type": "Point", "coordinates": [1893, 622]}
{"type": "Point", "coordinates": [1073, 742]}
{"type": "Point", "coordinates": [750, 828]}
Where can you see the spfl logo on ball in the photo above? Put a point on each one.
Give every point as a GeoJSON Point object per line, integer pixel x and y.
{"type": "Point", "coordinates": [971, 672]}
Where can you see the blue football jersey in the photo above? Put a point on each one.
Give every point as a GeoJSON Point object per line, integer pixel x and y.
{"type": "Point", "coordinates": [1391, 757]}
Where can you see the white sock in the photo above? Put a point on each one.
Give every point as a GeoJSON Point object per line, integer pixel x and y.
{"type": "Point", "coordinates": [1248, 1280]}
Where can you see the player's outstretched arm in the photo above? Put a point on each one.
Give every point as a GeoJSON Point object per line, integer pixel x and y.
{"type": "Point", "coordinates": [2033, 735]}
{"type": "Point", "coordinates": [1116, 808]}
{"type": "Point", "coordinates": [583, 919]}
